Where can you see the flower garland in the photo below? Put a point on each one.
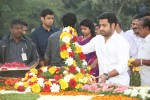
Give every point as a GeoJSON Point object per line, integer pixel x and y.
{"type": "Point", "coordinates": [73, 76]}
{"type": "Point", "coordinates": [70, 50]}
{"type": "Point", "coordinates": [135, 79]}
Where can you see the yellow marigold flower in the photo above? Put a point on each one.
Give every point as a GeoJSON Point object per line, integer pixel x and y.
{"type": "Point", "coordinates": [74, 63]}
{"type": "Point", "coordinates": [133, 69]}
{"type": "Point", "coordinates": [68, 45]}
{"type": "Point", "coordinates": [16, 86]}
{"type": "Point", "coordinates": [79, 75]}
{"type": "Point", "coordinates": [88, 68]}
{"type": "Point", "coordinates": [33, 70]}
{"type": "Point", "coordinates": [137, 69]}
{"type": "Point", "coordinates": [26, 76]}
{"type": "Point", "coordinates": [52, 70]}
{"type": "Point", "coordinates": [87, 75]}
{"type": "Point", "coordinates": [63, 84]}
{"type": "Point", "coordinates": [33, 79]}
{"type": "Point", "coordinates": [63, 34]}
{"type": "Point", "coordinates": [78, 49]}
{"type": "Point", "coordinates": [36, 88]}
{"type": "Point", "coordinates": [131, 60]}
{"type": "Point", "coordinates": [64, 54]}
{"type": "Point", "coordinates": [79, 86]}
{"type": "Point", "coordinates": [25, 84]}
{"type": "Point", "coordinates": [48, 82]}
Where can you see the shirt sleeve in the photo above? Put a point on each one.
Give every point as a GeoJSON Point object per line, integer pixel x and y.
{"type": "Point", "coordinates": [35, 57]}
{"type": "Point", "coordinates": [122, 57]}
{"type": "Point", "coordinates": [89, 47]}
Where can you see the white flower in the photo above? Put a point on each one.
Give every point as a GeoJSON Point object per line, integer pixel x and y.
{"type": "Point", "coordinates": [44, 69]}
{"type": "Point", "coordinates": [69, 61]}
{"type": "Point", "coordinates": [68, 77]}
{"type": "Point", "coordinates": [65, 72]}
{"type": "Point", "coordinates": [69, 50]}
{"type": "Point", "coordinates": [32, 74]}
{"type": "Point", "coordinates": [128, 91]}
{"type": "Point", "coordinates": [134, 93]}
{"type": "Point", "coordinates": [84, 63]}
{"type": "Point", "coordinates": [78, 69]}
{"type": "Point", "coordinates": [66, 39]}
{"type": "Point", "coordinates": [66, 29]}
{"type": "Point", "coordinates": [20, 83]}
{"type": "Point", "coordinates": [28, 89]}
{"type": "Point", "coordinates": [55, 88]}
{"type": "Point", "coordinates": [41, 82]}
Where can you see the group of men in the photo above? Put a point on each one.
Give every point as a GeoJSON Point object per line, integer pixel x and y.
{"type": "Point", "coordinates": [112, 49]}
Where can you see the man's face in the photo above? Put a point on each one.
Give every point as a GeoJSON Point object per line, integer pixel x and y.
{"type": "Point", "coordinates": [48, 20]}
{"type": "Point", "coordinates": [105, 28]}
{"type": "Point", "coordinates": [24, 29]}
{"type": "Point", "coordinates": [134, 25]}
{"type": "Point", "coordinates": [141, 29]}
{"type": "Point", "coordinates": [16, 30]}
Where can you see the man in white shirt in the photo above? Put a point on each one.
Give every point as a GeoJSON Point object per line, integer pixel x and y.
{"type": "Point", "coordinates": [132, 36]}
{"type": "Point", "coordinates": [112, 50]}
{"type": "Point", "coordinates": [143, 59]}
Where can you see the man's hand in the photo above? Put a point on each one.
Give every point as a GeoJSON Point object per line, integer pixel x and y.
{"type": "Point", "coordinates": [136, 63]}
{"type": "Point", "coordinates": [102, 78]}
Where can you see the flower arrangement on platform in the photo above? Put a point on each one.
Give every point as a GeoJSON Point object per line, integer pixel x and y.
{"type": "Point", "coordinates": [143, 93]}
{"type": "Point", "coordinates": [73, 76]}
{"type": "Point", "coordinates": [104, 88]}
{"type": "Point", "coordinates": [14, 64]}
{"type": "Point", "coordinates": [135, 75]}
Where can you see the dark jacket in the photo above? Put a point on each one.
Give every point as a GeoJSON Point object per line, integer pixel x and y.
{"type": "Point", "coordinates": [32, 55]}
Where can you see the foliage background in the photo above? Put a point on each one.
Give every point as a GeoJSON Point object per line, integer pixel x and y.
{"type": "Point", "coordinates": [29, 10]}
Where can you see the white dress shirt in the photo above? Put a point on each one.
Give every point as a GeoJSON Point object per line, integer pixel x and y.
{"type": "Point", "coordinates": [144, 53]}
{"type": "Point", "coordinates": [134, 42]}
{"type": "Point", "coordinates": [113, 54]}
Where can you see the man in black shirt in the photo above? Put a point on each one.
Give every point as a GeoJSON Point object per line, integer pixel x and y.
{"type": "Point", "coordinates": [41, 34]}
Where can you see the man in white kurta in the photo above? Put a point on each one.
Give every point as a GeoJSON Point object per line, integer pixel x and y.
{"type": "Point", "coordinates": [113, 53]}
{"type": "Point", "coordinates": [143, 59]}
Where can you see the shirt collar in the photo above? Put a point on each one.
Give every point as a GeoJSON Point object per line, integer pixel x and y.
{"type": "Point", "coordinates": [147, 38]}
{"type": "Point", "coordinates": [51, 29]}
{"type": "Point", "coordinates": [11, 38]}
{"type": "Point", "coordinates": [113, 35]}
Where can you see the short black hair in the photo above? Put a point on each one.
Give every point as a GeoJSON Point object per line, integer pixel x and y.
{"type": "Point", "coordinates": [88, 23]}
{"type": "Point", "coordinates": [146, 22]}
{"type": "Point", "coordinates": [69, 19]}
{"type": "Point", "coordinates": [138, 16]}
{"type": "Point", "coordinates": [46, 12]}
{"type": "Point", "coordinates": [15, 22]}
{"type": "Point", "coordinates": [110, 16]}
{"type": "Point", "coordinates": [24, 23]}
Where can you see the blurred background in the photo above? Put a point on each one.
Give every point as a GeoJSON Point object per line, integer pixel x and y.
{"type": "Point", "coordinates": [29, 10]}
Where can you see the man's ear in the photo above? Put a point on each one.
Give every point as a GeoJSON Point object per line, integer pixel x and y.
{"type": "Point", "coordinates": [42, 19]}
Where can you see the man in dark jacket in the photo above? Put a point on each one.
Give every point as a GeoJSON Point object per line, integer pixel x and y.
{"type": "Point", "coordinates": [15, 47]}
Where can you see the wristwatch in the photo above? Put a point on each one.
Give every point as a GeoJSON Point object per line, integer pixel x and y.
{"type": "Point", "coordinates": [106, 75]}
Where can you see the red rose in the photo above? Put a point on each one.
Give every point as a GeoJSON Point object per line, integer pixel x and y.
{"type": "Point", "coordinates": [74, 39]}
{"type": "Point", "coordinates": [21, 88]}
{"type": "Point", "coordinates": [82, 56]}
{"type": "Point", "coordinates": [72, 69]}
{"type": "Point", "coordinates": [46, 88]}
{"type": "Point", "coordinates": [72, 83]}
{"type": "Point", "coordinates": [82, 71]}
{"type": "Point", "coordinates": [71, 54]}
{"type": "Point", "coordinates": [63, 47]}
{"type": "Point", "coordinates": [57, 77]}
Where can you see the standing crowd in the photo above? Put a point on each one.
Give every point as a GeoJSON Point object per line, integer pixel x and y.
{"type": "Point", "coordinates": [106, 46]}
